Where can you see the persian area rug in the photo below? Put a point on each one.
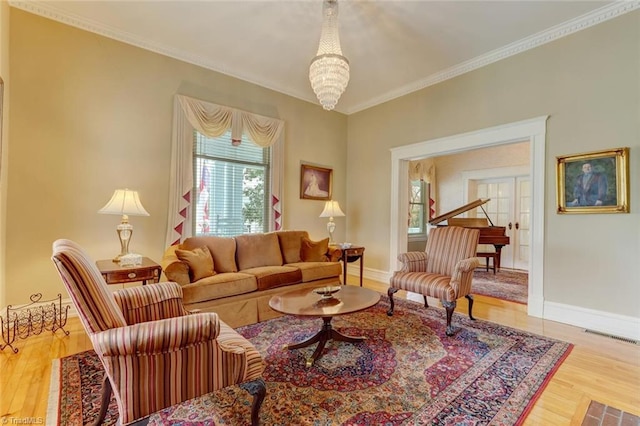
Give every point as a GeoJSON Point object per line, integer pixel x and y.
{"type": "Point", "coordinates": [406, 372]}
{"type": "Point", "coordinates": [511, 285]}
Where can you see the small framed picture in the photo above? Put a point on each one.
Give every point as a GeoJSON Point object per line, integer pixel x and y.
{"type": "Point", "coordinates": [594, 182]}
{"type": "Point", "coordinates": [315, 182]}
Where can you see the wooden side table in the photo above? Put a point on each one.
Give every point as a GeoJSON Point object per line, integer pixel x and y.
{"type": "Point", "coordinates": [113, 273]}
{"type": "Point", "coordinates": [349, 255]}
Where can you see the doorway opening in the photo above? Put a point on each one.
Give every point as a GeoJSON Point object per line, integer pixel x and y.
{"type": "Point", "coordinates": [532, 131]}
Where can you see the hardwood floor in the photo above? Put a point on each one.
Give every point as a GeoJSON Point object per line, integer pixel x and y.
{"type": "Point", "coordinates": [598, 368]}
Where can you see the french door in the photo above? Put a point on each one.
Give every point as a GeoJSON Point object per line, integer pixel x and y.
{"type": "Point", "coordinates": [509, 206]}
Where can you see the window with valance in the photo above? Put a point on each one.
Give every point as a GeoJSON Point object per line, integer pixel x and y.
{"type": "Point", "coordinates": [217, 124]}
{"type": "Point", "coordinates": [422, 195]}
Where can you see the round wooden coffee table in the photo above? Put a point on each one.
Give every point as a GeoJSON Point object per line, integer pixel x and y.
{"type": "Point", "coordinates": [304, 302]}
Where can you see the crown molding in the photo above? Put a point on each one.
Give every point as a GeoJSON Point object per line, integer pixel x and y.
{"type": "Point", "coordinates": [595, 17]}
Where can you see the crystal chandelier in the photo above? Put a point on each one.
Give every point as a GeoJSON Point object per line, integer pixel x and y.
{"type": "Point", "coordinates": [329, 70]}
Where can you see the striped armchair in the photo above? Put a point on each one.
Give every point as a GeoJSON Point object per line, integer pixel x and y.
{"type": "Point", "coordinates": [154, 352]}
{"type": "Point", "coordinates": [444, 270]}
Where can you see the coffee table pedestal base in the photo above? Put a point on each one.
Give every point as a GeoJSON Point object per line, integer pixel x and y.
{"type": "Point", "coordinates": [322, 337]}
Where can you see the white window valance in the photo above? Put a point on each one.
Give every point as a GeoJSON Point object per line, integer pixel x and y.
{"type": "Point", "coordinates": [214, 120]}
{"type": "Point", "coordinates": [422, 170]}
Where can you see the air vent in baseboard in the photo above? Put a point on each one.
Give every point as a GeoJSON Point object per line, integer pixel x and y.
{"type": "Point", "coordinates": [611, 336]}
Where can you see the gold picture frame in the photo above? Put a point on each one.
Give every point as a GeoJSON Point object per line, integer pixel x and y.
{"type": "Point", "coordinates": [593, 182]}
{"type": "Point", "coordinates": [315, 182]}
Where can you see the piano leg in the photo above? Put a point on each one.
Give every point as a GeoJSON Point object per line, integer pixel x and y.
{"type": "Point", "coordinates": [497, 258]}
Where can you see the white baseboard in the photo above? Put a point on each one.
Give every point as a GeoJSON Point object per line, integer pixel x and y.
{"type": "Point", "coordinates": [368, 273]}
{"type": "Point", "coordinates": [604, 322]}
{"type": "Point", "coordinates": [535, 307]}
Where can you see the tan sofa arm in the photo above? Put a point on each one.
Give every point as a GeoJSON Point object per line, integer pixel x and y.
{"type": "Point", "coordinates": [334, 254]}
{"type": "Point", "coordinates": [174, 269]}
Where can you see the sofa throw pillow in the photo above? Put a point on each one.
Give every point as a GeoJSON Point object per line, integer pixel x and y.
{"type": "Point", "coordinates": [290, 245]}
{"type": "Point", "coordinates": [222, 249]}
{"type": "Point", "coordinates": [199, 260]}
{"type": "Point", "coordinates": [256, 250]}
{"type": "Point", "coordinates": [314, 251]}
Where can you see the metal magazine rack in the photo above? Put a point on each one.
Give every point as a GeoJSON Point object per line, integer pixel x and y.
{"type": "Point", "coordinates": [33, 318]}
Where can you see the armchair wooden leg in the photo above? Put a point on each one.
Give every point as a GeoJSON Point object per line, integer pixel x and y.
{"type": "Point", "coordinates": [258, 389]}
{"type": "Point", "coordinates": [450, 307]}
{"type": "Point", "coordinates": [105, 398]}
{"type": "Point", "coordinates": [391, 304]}
{"type": "Point", "coordinates": [426, 303]}
{"type": "Point", "coordinates": [470, 299]}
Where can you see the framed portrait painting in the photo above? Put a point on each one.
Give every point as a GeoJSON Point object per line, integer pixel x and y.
{"type": "Point", "coordinates": [594, 182]}
{"type": "Point", "coordinates": [315, 182]}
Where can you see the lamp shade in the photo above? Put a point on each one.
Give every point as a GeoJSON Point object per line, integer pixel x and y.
{"type": "Point", "coordinates": [332, 209]}
{"type": "Point", "coordinates": [124, 202]}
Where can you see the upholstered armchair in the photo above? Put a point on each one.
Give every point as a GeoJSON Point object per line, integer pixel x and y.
{"type": "Point", "coordinates": [444, 270]}
{"type": "Point", "coordinates": [155, 353]}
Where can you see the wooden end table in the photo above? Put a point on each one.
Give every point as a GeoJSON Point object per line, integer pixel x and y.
{"type": "Point", "coordinates": [305, 302]}
{"type": "Point", "coordinates": [349, 255]}
{"type": "Point", "coordinates": [114, 273]}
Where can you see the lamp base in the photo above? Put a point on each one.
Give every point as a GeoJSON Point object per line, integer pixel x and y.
{"type": "Point", "coordinates": [331, 226]}
{"type": "Point", "coordinates": [124, 230]}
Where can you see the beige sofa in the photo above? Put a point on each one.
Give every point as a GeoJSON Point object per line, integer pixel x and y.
{"type": "Point", "coordinates": [235, 277]}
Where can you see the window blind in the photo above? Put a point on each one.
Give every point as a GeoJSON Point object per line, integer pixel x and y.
{"type": "Point", "coordinates": [230, 186]}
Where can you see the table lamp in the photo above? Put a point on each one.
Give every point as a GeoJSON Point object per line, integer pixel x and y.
{"type": "Point", "coordinates": [124, 202]}
{"type": "Point", "coordinates": [331, 210]}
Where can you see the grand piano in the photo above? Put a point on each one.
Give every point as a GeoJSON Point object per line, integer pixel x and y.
{"type": "Point", "coordinates": [489, 233]}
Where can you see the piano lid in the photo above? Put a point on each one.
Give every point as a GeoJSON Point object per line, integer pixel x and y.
{"type": "Point", "coordinates": [459, 210]}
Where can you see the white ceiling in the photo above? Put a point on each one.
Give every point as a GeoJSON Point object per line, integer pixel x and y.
{"type": "Point", "coordinates": [394, 47]}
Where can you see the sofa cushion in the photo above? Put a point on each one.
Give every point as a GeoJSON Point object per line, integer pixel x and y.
{"type": "Point", "coordinates": [314, 251]}
{"type": "Point", "coordinates": [174, 269]}
{"type": "Point", "coordinates": [219, 286]}
{"type": "Point", "coordinates": [199, 261]}
{"type": "Point", "coordinates": [255, 250]}
{"type": "Point", "coordinates": [291, 244]}
{"type": "Point", "coordinates": [275, 276]}
{"type": "Point", "coordinates": [312, 271]}
{"type": "Point", "coordinates": [223, 251]}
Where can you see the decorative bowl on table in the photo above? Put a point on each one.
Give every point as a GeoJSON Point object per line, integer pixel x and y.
{"type": "Point", "coordinates": [345, 245]}
{"type": "Point", "coordinates": [327, 292]}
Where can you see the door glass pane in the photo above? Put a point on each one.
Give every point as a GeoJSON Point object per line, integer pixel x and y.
{"type": "Point", "coordinates": [482, 190]}
{"type": "Point", "coordinates": [492, 190]}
